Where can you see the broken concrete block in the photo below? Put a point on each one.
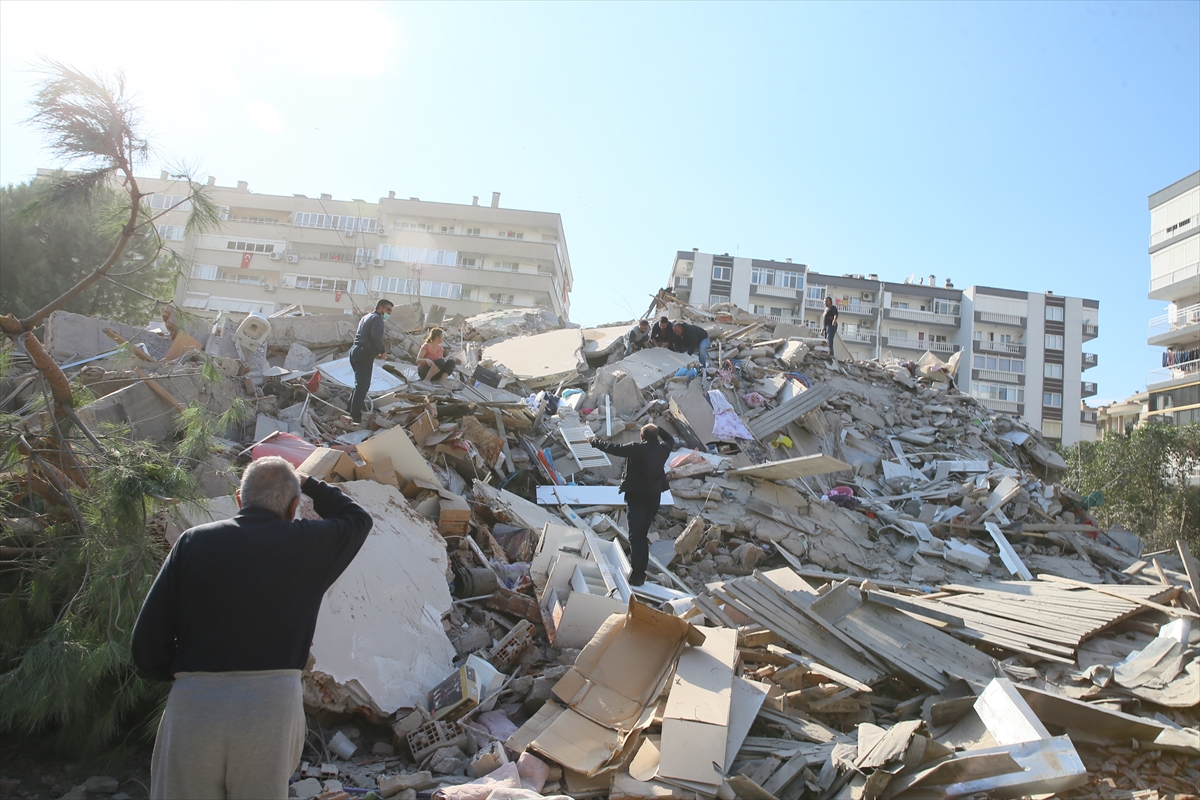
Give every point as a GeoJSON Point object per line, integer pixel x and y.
{"type": "Point", "coordinates": [488, 759]}
{"type": "Point", "coordinates": [689, 540]}
{"type": "Point", "coordinates": [300, 359]}
{"type": "Point", "coordinates": [448, 761]}
{"type": "Point", "coordinates": [307, 788]}
{"type": "Point", "coordinates": [928, 573]}
{"type": "Point", "coordinates": [965, 555]}
{"type": "Point", "coordinates": [379, 643]}
{"type": "Point", "coordinates": [626, 397]}
{"type": "Point", "coordinates": [390, 785]}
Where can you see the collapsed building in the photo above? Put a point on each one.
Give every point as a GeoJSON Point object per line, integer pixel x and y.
{"type": "Point", "coordinates": [863, 583]}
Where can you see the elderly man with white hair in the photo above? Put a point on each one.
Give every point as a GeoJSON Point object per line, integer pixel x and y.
{"type": "Point", "coordinates": [230, 619]}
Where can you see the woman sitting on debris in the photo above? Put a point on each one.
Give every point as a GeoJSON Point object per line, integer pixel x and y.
{"type": "Point", "coordinates": [432, 363]}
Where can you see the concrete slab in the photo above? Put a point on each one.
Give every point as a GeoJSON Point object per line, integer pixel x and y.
{"type": "Point", "coordinates": [541, 360]}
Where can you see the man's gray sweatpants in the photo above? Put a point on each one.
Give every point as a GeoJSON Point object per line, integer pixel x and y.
{"type": "Point", "coordinates": [229, 735]}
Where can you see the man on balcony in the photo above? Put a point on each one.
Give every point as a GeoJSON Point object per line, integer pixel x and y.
{"type": "Point", "coordinates": [829, 322]}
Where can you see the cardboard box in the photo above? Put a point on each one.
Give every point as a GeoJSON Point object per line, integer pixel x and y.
{"type": "Point", "coordinates": [472, 684]}
{"type": "Point", "coordinates": [610, 691]}
{"type": "Point", "coordinates": [326, 461]}
{"type": "Point", "coordinates": [423, 427]}
{"type": "Point", "coordinates": [395, 444]}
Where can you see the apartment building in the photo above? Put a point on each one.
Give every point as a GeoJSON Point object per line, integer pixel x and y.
{"type": "Point", "coordinates": [340, 256]}
{"type": "Point", "coordinates": [1021, 347]}
{"type": "Point", "coordinates": [1174, 387]}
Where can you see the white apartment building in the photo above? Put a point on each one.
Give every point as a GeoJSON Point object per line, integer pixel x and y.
{"type": "Point", "coordinates": [1024, 350]}
{"type": "Point", "coordinates": [1174, 387]}
{"type": "Point", "coordinates": [340, 256]}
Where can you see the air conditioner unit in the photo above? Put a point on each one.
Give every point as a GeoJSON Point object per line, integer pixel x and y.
{"type": "Point", "coordinates": [376, 262]}
{"type": "Point", "coordinates": [375, 295]}
{"type": "Point", "coordinates": [868, 296]}
{"type": "Point", "coordinates": [293, 259]}
{"type": "Point", "coordinates": [381, 230]}
{"type": "Point", "coordinates": [268, 287]}
{"type": "Point", "coordinates": [276, 256]}
{"type": "Point", "coordinates": [360, 264]}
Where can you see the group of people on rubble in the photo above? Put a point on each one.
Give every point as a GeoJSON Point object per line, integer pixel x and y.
{"type": "Point", "coordinates": [433, 364]}
{"type": "Point", "coordinates": [680, 336]}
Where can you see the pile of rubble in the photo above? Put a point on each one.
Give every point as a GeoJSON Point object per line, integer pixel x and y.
{"type": "Point", "coordinates": [863, 584]}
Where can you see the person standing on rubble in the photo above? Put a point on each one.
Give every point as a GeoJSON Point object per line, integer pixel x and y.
{"type": "Point", "coordinates": [432, 363]}
{"type": "Point", "coordinates": [693, 340]}
{"type": "Point", "coordinates": [637, 337]}
{"type": "Point", "coordinates": [368, 346]}
{"type": "Point", "coordinates": [230, 619]}
{"type": "Point", "coordinates": [829, 322]}
{"type": "Point", "coordinates": [643, 480]}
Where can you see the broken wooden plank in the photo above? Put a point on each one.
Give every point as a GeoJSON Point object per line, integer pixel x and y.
{"type": "Point", "coordinates": [778, 417]}
{"type": "Point", "coordinates": [1191, 568]}
{"type": "Point", "coordinates": [1007, 554]}
{"type": "Point", "coordinates": [1181, 612]}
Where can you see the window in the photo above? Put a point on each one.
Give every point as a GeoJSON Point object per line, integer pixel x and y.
{"type": "Point", "coordinates": [791, 280]}
{"type": "Point", "coordinates": [1054, 341]}
{"type": "Point", "coordinates": [204, 272]}
{"type": "Point", "coordinates": [470, 261]}
{"type": "Point", "coordinates": [946, 307]}
{"type": "Point", "coordinates": [897, 333]}
{"type": "Point", "coordinates": [419, 255]}
{"type": "Point", "coordinates": [364, 254]}
{"type": "Point", "coordinates": [472, 231]}
{"type": "Point", "coordinates": [506, 299]}
{"type": "Point", "coordinates": [250, 247]}
{"type": "Point", "coordinates": [713, 299]}
{"type": "Point", "coordinates": [722, 273]}
{"type": "Point", "coordinates": [1005, 338]}
{"type": "Point", "coordinates": [815, 293]}
{"type": "Point", "coordinates": [998, 364]}
{"type": "Point", "coordinates": [414, 226]}
{"type": "Point", "coordinates": [172, 233]}
{"type": "Point", "coordinates": [977, 336]}
{"type": "Point", "coordinates": [507, 266]}
{"type": "Point", "coordinates": [510, 234]}
{"type": "Point", "coordinates": [448, 229]}
{"type": "Point", "coordinates": [1052, 399]}
{"type": "Point", "coordinates": [762, 277]}
{"type": "Point", "coordinates": [1053, 370]}
{"type": "Point", "coordinates": [450, 291]}
{"type": "Point", "coordinates": [899, 304]}
{"type": "Point", "coordinates": [992, 391]}
{"type": "Point", "coordinates": [318, 283]}
{"type": "Point", "coordinates": [176, 202]}
{"type": "Point", "coordinates": [335, 222]}
{"type": "Point", "coordinates": [1051, 429]}
{"type": "Point", "coordinates": [394, 285]}
{"type": "Point", "coordinates": [1054, 313]}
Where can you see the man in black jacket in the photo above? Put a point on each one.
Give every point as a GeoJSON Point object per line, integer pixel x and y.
{"type": "Point", "coordinates": [230, 619]}
{"type": "Point", "coordinates": [663, 335]}
{"type": "Point", "coordinates": [368, 346]}
{"type": "Point", "coordinates": [643, 480]}
{"type": "Point", "coordinates": [692, 339]}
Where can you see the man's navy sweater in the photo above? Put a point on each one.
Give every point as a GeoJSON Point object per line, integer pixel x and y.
{"type": "Point", "coordinates": [244, 593]}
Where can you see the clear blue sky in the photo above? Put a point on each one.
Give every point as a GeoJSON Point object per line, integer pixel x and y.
{"type": "Point", "coordinates": [1008, 144]}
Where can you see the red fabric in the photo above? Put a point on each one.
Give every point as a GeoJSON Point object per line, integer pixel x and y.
{"type": "Point", "coordinates": [246, 260]}
{"type": "Point", "coordinates": [290, 448]}
{"type": "Point", "coordinates": [314, 382]}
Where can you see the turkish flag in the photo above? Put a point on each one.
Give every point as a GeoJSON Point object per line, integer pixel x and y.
{"type": "Point", "coordinates": [337, 296]}
{"type": "Point", "coordinates": [246, 260]}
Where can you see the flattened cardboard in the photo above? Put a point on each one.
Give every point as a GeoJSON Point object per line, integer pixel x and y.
{"type": "Point", "coordinates": [695, 728]}
{"type": "Point", "coordinates": [406, 459]}
{"type": "Point", "coordinates": [610, 689]}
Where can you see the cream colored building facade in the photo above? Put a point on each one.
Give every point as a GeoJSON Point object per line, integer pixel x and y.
{"type": "Point", "coordinates": [342, 256]}
{"type": "Point", "coordinates": [1174, 387]}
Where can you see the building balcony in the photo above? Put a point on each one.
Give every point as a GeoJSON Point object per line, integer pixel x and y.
{"type": "Point", "coordinates": [1008, 348]}
{"type": "Point", "coordinates": [1087, 389]}
{"type": "Point", "coordinates": [1175, 285]}
{"type": "Point", "coordinates": [995, 376]}
{"type": "Point", "coordinates": [1183, 371]}
{"type": "Point", "coordinates": [862, 309]}
{"type": "Point", "coordinates": [1179, 228]}
{"type": "Point", "coordinates": [920, 345]}
{"type": "Point", "coordinates": [1090, 331]}
{"type": "Point", "coordinates": [1088, 360]}
{"type": "Point", "coordinates": [1176, 327]}
{"type": "Point", "coordinates": [1087, 416]}
{"type": "Point", "coordinates": [773, 291]}
{"type": "Point", "coordinates": [857, 338]}
{"type": "Point", "coordinates": [1006, 406]}
{"type": "Point", "coordinates": [991, 317]}
{"type": "Point", "coordinates": [926, 317]}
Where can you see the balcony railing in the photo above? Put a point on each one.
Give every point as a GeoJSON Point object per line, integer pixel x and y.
{"type": "Point", "coordinates": [1088, 389]}
{"type": "Point", "coordinates": [1175, 276]}
{"type": "Point", "coordinates": [1175, 320]}
{"type": "Point", "coordinates": [1184, 369]}
{"type": "Point", "coordinates": [1087, 417]}
{"type": "Point", "coordinates": [1002, 319]}
{"type": "Point", "coordinates": [1006, 406]}
{"type": "Point", "coordinates": [921, 344]}
{"type": "Point", "coordinates": [1091, 330]}
{"type": "Point", "coordinates": [1174, 230]}
{"type": "Point", "coordinates": [862, 338]}
{"type": "Point", "coordinates": [815, 304]}
{"type": "Point", "coordinates": [773, 291]}
{"type": "Point", "coordinates": [257, 221]}
{"type": "Point", "coordinates": [923, 316]}
{"type": "Point", "coordinates": [999, 347]}
{"type": "Point", "coordinates": [996, 375]}
{"type": "Point", "coordinates": [1089, 360]}
{"type": "Point", "coordinates": [866, 309]}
